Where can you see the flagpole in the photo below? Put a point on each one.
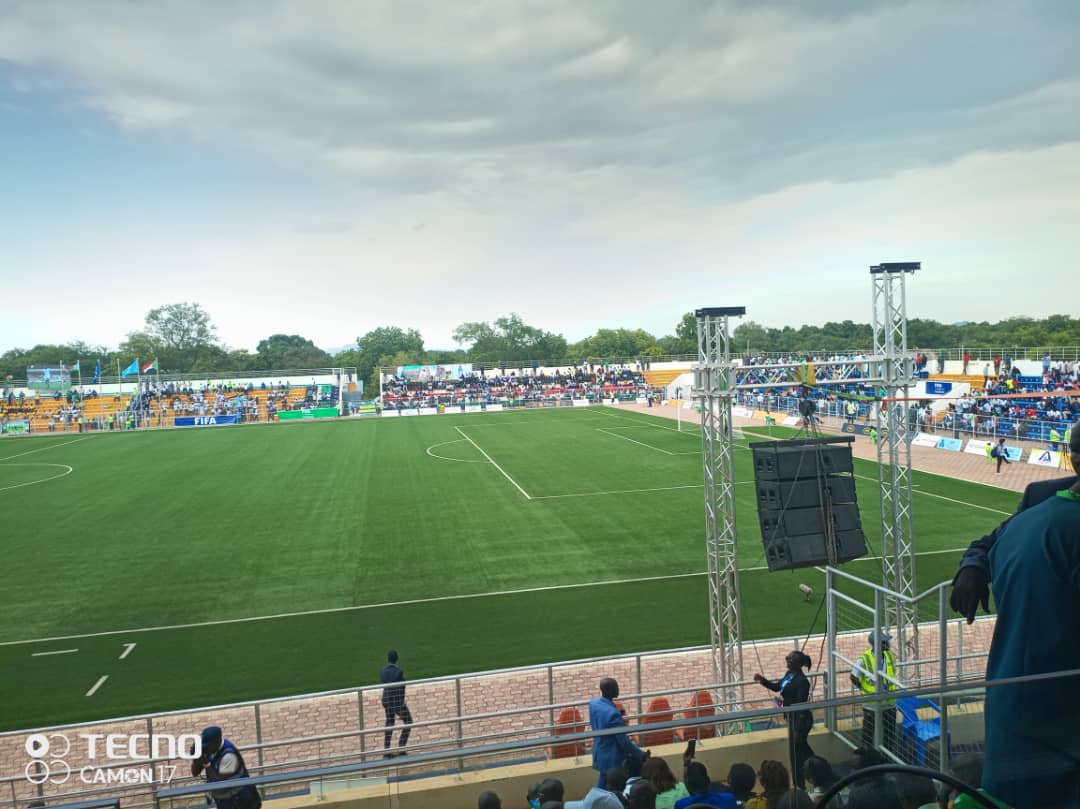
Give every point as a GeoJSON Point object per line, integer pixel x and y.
{"type": "Point", "coordinates": [119, 379]}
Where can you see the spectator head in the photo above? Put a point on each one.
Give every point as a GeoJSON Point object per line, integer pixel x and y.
{"type": "Point", "coordinates": [886, 638]}
{"type": "Point", "coordinates": [795, 799]}
{"type": "Point", "coordinates": [642, 795]}
{"type": "Point", "coordinates": [657, 772]}
{"type": "Point", "coordinates": [774, 776]}
{"type": "Point", "coordinates": [391, 656]}
{"type": "Point", "coordinates": [533, 795]}
{"type": "Point", "coordinates": [797, 661]}
{"type": "Point", "coordinates": [551, 789]}
{"type": "Point", "coordinates": [741, 780]}
{"type": "Point", "coordinates": [697, 778]}
{"type": "Point", "coordinates": [915, 791]}
{"type": "Point", "coordinates": [818, 772]}
{"type": "Point", "coordinates": [1074, 445]}
{"type": "Point", "coordinates": [489, 800]}
{"type": "Point", "coordinates": [211, 740]}
{"type": "Point", "coordinates": [615, 780]}
{"type": "Point", "coordinates": [609, 688]}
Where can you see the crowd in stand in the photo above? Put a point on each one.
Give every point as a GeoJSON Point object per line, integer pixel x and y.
{"type": "Point", "coordinates": [497, 386]}
{"type": "Point", "coordinates": [653, 785]}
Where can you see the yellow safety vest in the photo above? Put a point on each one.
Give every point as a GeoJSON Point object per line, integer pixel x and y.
{"type": "Point", "coordinates": [867, 677]}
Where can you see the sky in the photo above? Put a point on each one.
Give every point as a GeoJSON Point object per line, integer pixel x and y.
{"type": "Point", "coordinates": [323, 168]}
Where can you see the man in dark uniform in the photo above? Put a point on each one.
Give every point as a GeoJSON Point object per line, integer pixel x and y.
{"type": "Point", "coordinates": [1032, 747]}
{"type": "Point", "coordinates": [393, 702]}
{"type": "Point", "coordinates": [971, 585]}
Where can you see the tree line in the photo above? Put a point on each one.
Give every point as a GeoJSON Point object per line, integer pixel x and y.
{"type": "Point", "coordinates": [183, 340]}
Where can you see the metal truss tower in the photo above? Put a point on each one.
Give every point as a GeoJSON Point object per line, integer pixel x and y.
{"type": "Point", "coordinates": [714, 390]}
{"type": "Point", "coordinates": [894, 366]}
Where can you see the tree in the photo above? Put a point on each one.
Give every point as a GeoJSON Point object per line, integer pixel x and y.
{"type": "Point", "coordinates": [377, 348]}
{"type": "Point", "coordinates": [615, 343]}
{"type": "Point", "coordinates": [282, 351]}
{"type": "Point", "coordinates": [182, 327]}
{"type": "Point", "coordinates": [509, 339]}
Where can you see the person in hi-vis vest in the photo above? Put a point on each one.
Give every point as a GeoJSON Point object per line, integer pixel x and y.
{"type": "Point", "coordinates": [864, 678]}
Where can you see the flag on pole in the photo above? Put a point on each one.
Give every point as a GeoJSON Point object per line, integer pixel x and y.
{"type": "Point", "coordinates": [73, 367]}
{"type": "Point", "coordinates": [150, 366]}
{"type": "Point", "coordinates": [131, 369]}
{"type": "Point", "coordinates": [97, 373]}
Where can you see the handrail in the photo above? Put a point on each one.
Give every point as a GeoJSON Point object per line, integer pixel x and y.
{"type": "Point", "coordinates": [571, 738]}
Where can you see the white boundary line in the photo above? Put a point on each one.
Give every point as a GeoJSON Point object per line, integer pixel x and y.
{"type": "Point", "coordinates": [633, 441]}
{"type": "Point", "coordinates": [410, 602]}
{"type": "Point", "coordinates": [128, 647]}
{"type": "Point", "coordinates": [443, 457]}
{"type": "Point", "coordinates": [503, 471]}
{"type": "Point", "coordinates": [618, 491]}
{"type": "Point", "coordinates": [97, 685]}
{"type": "Point", "coordinates": [42, 449]}
{"type": "Point", "coordinates": [57, 652]}
{"type": "Point", "coordinates": [35, 482]}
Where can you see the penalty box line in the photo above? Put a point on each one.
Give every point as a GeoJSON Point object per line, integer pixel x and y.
{"type": "Point", "coordinates": [413, 601]}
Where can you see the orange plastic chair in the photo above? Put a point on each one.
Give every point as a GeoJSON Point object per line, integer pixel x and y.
{"type": "Point", "coordinates": [569, 721]}
{"type": "Point", "coordinates": [701, 706]}
{"type": "Point", "coordinates": [659, 710]}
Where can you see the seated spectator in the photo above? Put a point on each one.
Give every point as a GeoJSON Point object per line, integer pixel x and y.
{"type": "Point", "coordinates": [602, 797]}
{"type": "Point", "coordinates": [642, 795]}
{"type": "Point", "coordinates": [819, 776]}
{"type": "Point", "coordinates": [489, 800]}
{"type": "Point", "coordinates": [741, 782]}
{"type": "Point", "coordinates": [657, 772]}
{"type": "Point", "coordinates": [775, 781]}
{"type": "Point", "coordinates": [550, 791]}
{"type": "Point", "coordinates": [700, 788]}
{"type": "Point", "coordinates": [533, 795]}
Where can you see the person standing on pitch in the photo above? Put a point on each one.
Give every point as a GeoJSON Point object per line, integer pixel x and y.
{"type": "Point", "coordinates": [393, 702]}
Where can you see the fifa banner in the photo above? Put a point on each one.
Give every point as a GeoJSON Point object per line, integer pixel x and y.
{"type": "Point", "coordinates": [938, 388]}
{"type": "Point", "coordinates": [424, 373]}
{"type": "Point", "coordinates": [15, 427]}
{"type": "Point", "coordinates": [204, 421]}
{"type": "Point", "coordinates": [1045, 457]}
{"type": "Point", "coordinates": [308, 413]}
{"type": "Point", "coordinates": [924, 440]}
{"type": "Point", "coordinates": [48, 378]}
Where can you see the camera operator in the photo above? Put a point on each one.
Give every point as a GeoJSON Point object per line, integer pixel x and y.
{"type": "Point", "coordinates": [221, 761]}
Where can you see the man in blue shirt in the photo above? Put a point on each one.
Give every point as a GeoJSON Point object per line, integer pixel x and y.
{"type": "Point", "coordinates": [698, 785]}
{"type": "Point", "coordinates": [1032, 744]}
{"type": "Point", "coordinates": [612, 750]}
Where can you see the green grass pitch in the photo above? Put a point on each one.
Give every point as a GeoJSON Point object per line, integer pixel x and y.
{"type": "Point", "coordinates": [411, 533]}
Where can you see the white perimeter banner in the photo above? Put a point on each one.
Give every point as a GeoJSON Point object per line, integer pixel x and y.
{"type": "Point", "coordinates": [741, 412]}
{"type": "Point", "coordinates": [412, 412]}
{"type": "Point", "coordinates": [429, 411]}
{"type": "Point", "coordinates": [474, 408]}
{"type": "Point", "coordinates": [792, 420]}
{"type": "Point", "coordinates": [924, 440]}
{"type": "Point", "coordinates": [1045, 457]}
{"type": "Point", "coordinates": [386, 414]}
{"type": "Point", "coordinates": [494, 408]}
{"type": "Point", "coordinates": [581, 402]}
{"type": "Point", "coordinates": [977, 446]}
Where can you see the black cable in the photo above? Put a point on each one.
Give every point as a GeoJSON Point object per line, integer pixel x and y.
{"type": "Point", "coordinates": [905, 769]}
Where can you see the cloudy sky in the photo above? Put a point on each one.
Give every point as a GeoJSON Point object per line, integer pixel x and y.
{"type": "Point", "coordinates": [323, 168]}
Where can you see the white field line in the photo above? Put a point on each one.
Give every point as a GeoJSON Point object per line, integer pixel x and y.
{"type": "Point", "coordinates": [632, 491]}
{"type": "Point", "coordinates": [637, 422]}
{"type": "Point", "coordinates": [128, 648]}
{"type": "Point", "coordinates": [56, 652]}
{"type": "Point", "coordinates": [633, 441]}
{"type": "Point", "coordinates": [492, 460]}
{"type": "Point", "coordinates": [408, 602]}
{"type": "Point", "coordinates": [35, 482]}
{"type": "Point", "coordinates": [443, 457]}
{"type": "Point", "coordinates": [42, 449]}
{"type": "Point", "coordinates": [97, 685]}
{"type": "Point", "coordinates": [949, 499]}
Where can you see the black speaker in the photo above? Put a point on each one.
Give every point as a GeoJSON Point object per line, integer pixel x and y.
{"type": "Point", "coordinates": [807, 507]}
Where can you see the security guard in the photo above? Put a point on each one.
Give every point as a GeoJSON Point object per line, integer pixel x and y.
{"type": "Point", "coordinates": [863, 677]}
{"type": "Point", "coordinates": [851, 410]}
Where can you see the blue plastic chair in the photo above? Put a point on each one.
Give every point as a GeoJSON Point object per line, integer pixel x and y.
{"type": "Point", "coordinates": [919, 731]}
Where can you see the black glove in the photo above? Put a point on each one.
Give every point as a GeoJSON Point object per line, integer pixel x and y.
{"type": "Point", "coordinates": [970, 588]}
